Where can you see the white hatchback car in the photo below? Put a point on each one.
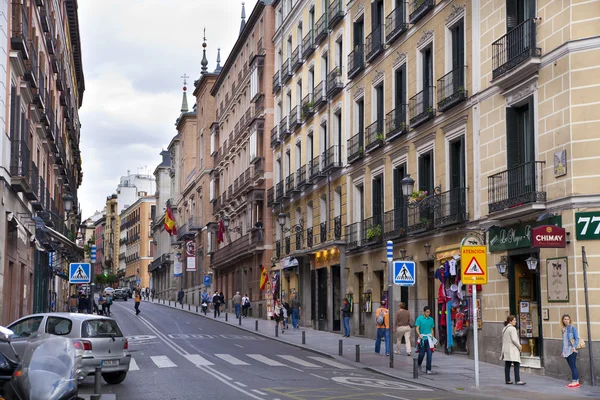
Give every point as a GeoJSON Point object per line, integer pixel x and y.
{"type": "Point", "coordinates": [103, 342]}
{"type": "Point", "coordinates": [108, 291]}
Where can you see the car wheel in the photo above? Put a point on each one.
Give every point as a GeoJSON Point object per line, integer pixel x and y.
{"type": "Point", "coordinates": [125, 298]}
{"type": "Point", "coordinates": [114, 378]}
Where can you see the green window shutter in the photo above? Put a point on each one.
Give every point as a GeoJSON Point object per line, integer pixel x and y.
{"type": "Point", "coordinates": [513, 143]}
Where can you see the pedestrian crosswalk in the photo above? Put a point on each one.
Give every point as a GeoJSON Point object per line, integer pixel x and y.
{"type": "Point", "coordinates": [140, 362]}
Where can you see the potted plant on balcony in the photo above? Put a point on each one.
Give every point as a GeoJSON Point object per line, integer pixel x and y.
{"type": "Point", "coordinates": [417, 196]}
{"type": "Point", "coordinates": [374, 233]}
{"type": "Point", "coordinates": [379, 136]}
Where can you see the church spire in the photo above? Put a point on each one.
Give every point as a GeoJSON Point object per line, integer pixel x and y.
{"type": "Point", "coordinates": [243, 24]}
{"type": "Point", "coordinates": [204, 61]}
{"type": "Point", "coordinates": [184, 103]}
{"type": "Point", "coordinates": [218, 68]}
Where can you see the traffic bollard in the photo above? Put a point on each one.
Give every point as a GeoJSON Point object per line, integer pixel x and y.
{"type": "Point", "coordinates": [256, 325]}
{"type": "Point", "coordinates": [97, 380]}
{"type": "Point", "coordinates": [303, 337]}
{"type": "Point", "coordinates": [225, 317]}
{"type": "Point", "coordinates": [196, 309]}
{"type": "Point", "coordinates": [240, 319]}
{"type": "Point", "coordinates": [169, 303]}
{"type": "Point", "coordinates": [415, 368]}
{"type": "Point", "coordinates": [341, 347]}
{"type": "Point", "coordinates": [189, 307]}
{"type": "Point", "coordinates": [358, 353]}
{"type": "Point", "coordinates": [276, 330]}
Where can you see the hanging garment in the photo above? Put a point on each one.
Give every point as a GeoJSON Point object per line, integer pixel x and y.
{"type": "Point", "coordinates": [450, 341]}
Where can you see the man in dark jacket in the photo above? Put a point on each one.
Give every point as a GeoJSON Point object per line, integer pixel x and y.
{"type": "Point", "coordinates": [346, 317]}
{"type": "Point", "coordinates": [84, 304]}
{"type": "Point", "coordinates": [216, 300]}
{"type": "Point", "coordinates": [180, 295]}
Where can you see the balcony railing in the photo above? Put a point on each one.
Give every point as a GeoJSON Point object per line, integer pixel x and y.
{"type": "Point", "coordinates": [20, 159]}
{"type": "Point", "coordinates": [419, 8]}
{"type": "Point", "coordinates": [334, 82]}
{"type": "Point", "coordinates": [514, 48]}
{"type": "Point", "coordinates": [284, 127]}
{"type": "Point", "coordinates": [31, 65]}
{"type": "Point", "coordinates": [374, 43]}
{"type": "Point", "coordinates": [355, 148]}
{"type": "Point", "coordinates": [331, 158]}
{"type": "Point", "coordinates": [421, 107]}
{"type": "Point", "coordinates": [394, 223]}
{"type": "Point", "coordinates": [372, 230]}
{"type": "Point", "coordinates": [522, 184]}
{"type": "Point", "coordinates": [395, 23]}
{"type": "Point", "coordinates": [276, 82]}
{"type": "Point", "coordinates": [356, 61]}
{"type": "Point", "coordinates": [195, 224]}
{"type": "Point", "coordinates": [374, 136]}
{"type": "Point", "coordinates": [295, 120]}
{"type": "Point", "coordinates": [296, 59]}
{"type": "Point", "coordinates": [315, 169]}
{"type": "Point", "coordinates": [300, 177]}
{"type": "Point", "coordinates": [286, 72]}
{"type": "Point", "coordinates": [353, 234]}
{"type": "Point", "coordinates": [421, 214]}
{"type": "Point", "coordinates": [452, 207]}
{"type": "Point", "coordinates": [287, 246]}
{"type": "Point", "coordinates": [290, 184]}
{"type": "Point", "coordinates": [321, 29]}
{"type": "Point", "coordinates": [279, 190]}
{"type": "Point", "coordinates": [308, 44]}
{"type": "Point", "coordinates": [275, 136]}
{"type": "Point", "coordinates": [20, 29]}
{"type": "Point", "coordinates": [240, 248]}
{"type": "Point", "coordinates": [451, 89]}
{"type": "Point", "coordinates": [278, 249]}
{"type": "Point", "coordinates": [336, 12]}
{"type": "Point", "coordinates": [34, 181]}
{"type": "Point", "coordinates": [320, 95]}
{"type": "Point", "coordinates": [308, 107]}
{"type": "Point", "coordinates": [271, 197]}
{"type": "Point", "coordinates": [395, 122]}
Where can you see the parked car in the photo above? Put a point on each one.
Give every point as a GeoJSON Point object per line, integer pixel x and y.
{"type": "Point", "coordinates": [119, 294]}
{"type": "Point", "coordinates": [103, 342]}
{"type": "Point", "coordinates": [128, 291]}
{"type": "Point", "coordinates": [108, 291]}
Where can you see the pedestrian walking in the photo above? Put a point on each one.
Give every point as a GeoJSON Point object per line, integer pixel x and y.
{"type": "Point", "coordinates": [222, 300]}
{"type": "Point", "coordinates": [153, 293]}
{"type": "Point", "coordinates": [83, 304]}
{"type": "Point", "coordinates": [403, 323]}
{"type": "Point", "coordinates": [245, 305]}
{"type": "Point", "coordinates": [277, 314]}
{"type": "Point", "coordinates": [511, 350]}
{"type": "Point", "coordinates": [382, 319]}
{"type": "Point", "coordinates": [425, 327]}
{"type": "Point", "coordinates": [72, 303]}
{"type": "Point", "coordinates": [102, 304]}
{"type": "Point", "coordinates": [147, 294]}
{"type": "Point", "coordinates": [345, 317]}
{"type": "Point", "coordinates": [216, 300]}
{"type": "Point", "coordinates": [180, 295]}
{"type": "Point", "coordinates": [295, 311]}
{"type": "Point", "coordinates": [138, 299]}
{"type": "Point", "coordinates": [287, 311]}
{"type": "Point", "coordinates": [237, 304]}
{"type": "Point", "coordinates": [571, 342]}
{"type": "Point", "coordinates": [109, 302]}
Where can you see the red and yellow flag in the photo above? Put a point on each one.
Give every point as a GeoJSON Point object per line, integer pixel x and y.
{"type": "Point", "coordinates": [170, 222]}
{"type": "Point", "coordinates": [264, 277]}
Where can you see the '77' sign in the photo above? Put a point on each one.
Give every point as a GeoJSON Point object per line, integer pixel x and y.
{"type": "Point", "coordinates": [587, 225]}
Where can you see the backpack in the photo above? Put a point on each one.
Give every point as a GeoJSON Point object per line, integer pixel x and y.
{"type": "Point", "coordinates": [381, 318]}
{"type": "Point", "coordinates": [110, 301]}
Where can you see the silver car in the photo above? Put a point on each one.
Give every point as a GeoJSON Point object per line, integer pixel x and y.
{"type": "Point", "coordinates": [103, 342]}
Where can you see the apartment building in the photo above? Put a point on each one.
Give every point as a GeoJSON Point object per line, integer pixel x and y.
{"type": "Point", "coordinates": [111, 235]}
{"type": "Point", "coordinates": [309, 193]}
{"type": "Point", "coordinates": [41, 165]}
{"type": "Point", "coordinates": [136, 222]}
{"type": "Point", "coordinates": [99, 228]}
{"type": "Point", "coordinates": [242, 159]}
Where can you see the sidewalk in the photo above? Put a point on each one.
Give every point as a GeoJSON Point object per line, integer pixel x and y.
{"type": "Point", "coordinates": [454, 373]}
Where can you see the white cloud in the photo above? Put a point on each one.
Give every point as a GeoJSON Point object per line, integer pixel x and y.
{"type": "Point", "coordinates": [134, 53]}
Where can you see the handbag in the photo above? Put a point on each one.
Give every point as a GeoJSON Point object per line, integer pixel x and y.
{"type": "Point", "coordinates": [580, 345]}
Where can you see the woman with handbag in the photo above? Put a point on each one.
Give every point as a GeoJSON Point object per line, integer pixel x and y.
{"type": "Point", "coordinates": [571, 342]}
{"type": "Point", "coordinates": [511, 350]}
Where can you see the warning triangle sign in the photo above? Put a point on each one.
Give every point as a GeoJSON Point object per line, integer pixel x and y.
{"type": "Point", "coordinates": [404, 274]}
{"type": "Point", "coordinates": [80, 273]}
{"type": "Point", "coordinates": [474, 268]}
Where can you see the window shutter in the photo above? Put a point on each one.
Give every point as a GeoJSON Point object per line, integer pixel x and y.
{"type": "Point", "coordinates": [374, 15]}
{"type": "Point", "coordinates": [529, 132]}
{"type": "Point", "coordinates": [512, 18]}
{"type": "Point", "coordinates": [15, 101]}
{"type": "Point", "coordinates": [513, 142]}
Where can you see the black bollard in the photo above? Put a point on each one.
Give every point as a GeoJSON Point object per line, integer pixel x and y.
{"type": "Point", "coordinates": [415, 368]}
{"type": "Point", "coordinates": [256, 325]}
{"type": "Point", "coordinates": [225, 317]}
{"type": "Point", "coordinates": [189, 307]}
{"type": "Point", "coordinates": [196, 309]}
{"type": "Point", "coordinates": [276, 330]}
{"type": "Point", "coordinates": [97, 380]}
{"type": "Point", "coordinates": [303, 337]}
{"type": "Point", "coordinates": [240, 319]}
{"type": "Point", "coordinates": [358, 353]}
{"type": "Point", "coordinates": [169, 303]}
{"type": "Point", "coordinates": [341, 347]}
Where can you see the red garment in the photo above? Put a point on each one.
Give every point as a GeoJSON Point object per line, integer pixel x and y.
{"type": "Point", "coordinates": [221, 232]}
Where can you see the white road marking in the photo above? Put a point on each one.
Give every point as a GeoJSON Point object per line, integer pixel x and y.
{"type": "Point", "coordinates": [240, 346]}
{"type": "Point", "coordinates": [299, 361]}
{"type": "Point", "coordinates": [198, 360]}
{"type": "Point", "coordinates": [265, 360]}
{"type": "Point", "coordinates": [231, 359]}
{"type": "Point", "coordinates": [393, 397]}
{"type": "Point", "coordinates": [133, 365]}
{"type": "Point", "coordinates": [240, 384]}
{"type": "Point", "coordinates": [259, 392]}
{"type": "Point", "coordinates": [163, 362]}
{"type": "Point", "coordinates": [330, 362]}
{"type": "Point", "coordinates": [315, 375]}
{"type": "Point", "coordinates": [223, 375]}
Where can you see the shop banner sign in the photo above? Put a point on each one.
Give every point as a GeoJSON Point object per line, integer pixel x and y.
{"type": "Point", "coordinates": [516, 236]}
{"type": "Point", "coordinates": [190, 255]}
{"type": "Point", "coordinates": [549, 236]}
{"type": "Point", "coordinates": [587, 225]}
{"type": "Point", "coordinates": [177, 268]}
{"type": "Point", "coordinates": [473, 261]}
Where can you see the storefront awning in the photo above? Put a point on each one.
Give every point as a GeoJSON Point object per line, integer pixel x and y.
{"type": "Point", "coordinates": [289, 262]}
{"type": "Point", "coordinates": [444, 252]}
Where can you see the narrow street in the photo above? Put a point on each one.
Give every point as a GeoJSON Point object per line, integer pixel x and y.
{"type": "Point", "coordinates": [177, 355]}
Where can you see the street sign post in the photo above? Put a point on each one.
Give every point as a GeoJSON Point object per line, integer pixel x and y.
{"type": "Point", "coordinates": [80, 272]}
{"type": "Point", "coordinates": [390, 305]}
{"type": "Point", "coordinates": [404, 273]}
{"type": "Point", "coordinates": [206, 280]}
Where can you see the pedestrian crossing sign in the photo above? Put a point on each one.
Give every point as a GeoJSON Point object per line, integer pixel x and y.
{"type": "Point", "coordinates": [474, 265]}
{"type": "Point", "coordinates": [80, 272]}
{"type": "Point", "coordinates": [404, 273]}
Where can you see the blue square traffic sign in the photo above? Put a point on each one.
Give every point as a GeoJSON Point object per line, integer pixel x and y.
{"type": "Point", "coordinates": [80, 272]}
{"type": "Point", "coordinates": [404, 273]}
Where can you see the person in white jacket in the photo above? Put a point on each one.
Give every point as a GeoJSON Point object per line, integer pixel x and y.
{"type": "Point", "coordinates": [511, 350]}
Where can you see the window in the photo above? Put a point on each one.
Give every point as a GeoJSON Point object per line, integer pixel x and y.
{"type": "Point", "coordinates": [311, 80]}
{"type": "Point", "coordinates": [324, 141]}
{"type": "Point", "coordinates": [359, 33]}
{"type": "Point", "coordinates": [253, 146]}
{"type": "Point", "coordinates": [100, 328]}
{"type": "Point", "coordinates": [399, 206]}
{"type": "Point", "coordinates": [360, 111]}
{"type": "Point", "coordinates": [379, 104]}
{"type": "Point", "coordinates": [400, 87]}
{"type": "Point", "coordinates": [457, 163]}
{"type": "Point", "coordinates": [58, 326]}
{"type": "Point", "coordinates": [323, 209]}
{"type": "Point", "coordinates": [520, 149]}
{"type": "Point", "coordinates": [211, 190]}
{"type": "Point", "coordinates": [427, 56]}
{"type": "Point", "coordinates": [337, 118]}
{"type": "Point", "coordinates": [426, 172]}
{"type": "Point", "coordinates": [377, 200]}
{"type": "Point", "coordinates": [310, 146]}
{"type": "Point", "coordinates": [309, 214]}
{"type": "Point", "coordinates": [311, 19]}
{"type": "Point", "coordinates": [26, 327]}
{"type": "Point", "coordinates": [298, 155]}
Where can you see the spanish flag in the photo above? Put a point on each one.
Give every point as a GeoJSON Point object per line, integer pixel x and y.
{"type": "Point", "coordinates": [170, 222]}
{"type": "Point", "coordinates": [264, 277]}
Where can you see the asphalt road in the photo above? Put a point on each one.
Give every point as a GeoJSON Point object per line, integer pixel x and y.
{"type": "Point", "coordinates": [180, 356]}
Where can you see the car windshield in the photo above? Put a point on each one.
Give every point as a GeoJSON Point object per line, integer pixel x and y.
{"type": "Point", "coordinates": [100, 328]}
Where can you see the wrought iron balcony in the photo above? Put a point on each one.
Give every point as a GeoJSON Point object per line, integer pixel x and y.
{"type": "Point", "coordinates": [308, 107]}
{"type": "Point", "coordinates": [295, 120]}
{"type": "Point", "coordinates": [34, 183]}
{"type": "Point", "coordinates": [355, 147]}
{"type": "Point", "coordinates": [451, 89]}
{"type": "Point", "coordinates": [395, 23]}
{"type": "Point", "coordinates": [451, 207]}
{"type": "Point", "coordinates": [336, 13]}
{"type": "Point", "coordinates": [278, 249]}
{"type": "Point", "coordinates": [41, 199]}
{"type": "Point", "coordinates": [421, 213]}
{"type": "Point", "coordinates": [321, 29]}
{"type": "Point", "coordinates": [395, 123]}
{"type": "Point", "coordinates": [320, 95]}
{"type": "Point", "coordinates": [374, 136]}
{"type": "Point", "coordinates": [296, 59]}
{"type": "Point", "coordinates": [290, 184]}
{"type": "Point", "coordinates": [19, 30]}
{"type": "Point", "coordinates": [20, 163]}
{"type": "Point", "coordinates": [514, 48]}
{"type": "Point", "coordinates": [517, 186]}
{"type": "Point", "coordinates": [284, 127]}
{"type": "Point", "coordinates": [276, 82]}
{"type": "Point", "coordinates": [308, 44]}
{"type": "Point", "coordinates": [287, 246]}
{"type": "Point", "coordinates": [331, 158]}
{"type": "Point", "coordinates": [271, 197]}
{"type": "Point", "coordinates": [418, 9]}
{"type": "Point", "coordinates": [238, 249]}
{"type": "Point", "coordinates": [286, 72]}
{"type": "Point", "coordinates": [300, 177]}
{"type": "Point", "coordinates": [421, 107]}
{"type": "Point", "coordinates": [279, 191]}
{"type": "Point", "coordinates": [394, 223]}
{"type": "Point", "coordinates": [45, 18]}
{"type": "Point", "coordinates": [275, 141]}
{"type": "Point", "coordinates": [334, 82]}
{"type": "Point", "coordinates": [315, 169]}
{"type": "Point", "coordinates": [374, 43]}
{"type": "Point", "coordinates": [40, 94]}
{"type": "Point", "coordinates": [372, 230]}
{"type": "Point", "coordinates": [356, 61]}
{"type": "Point", "coordinates": [195, 224]}
{"type": "Point", "coordinates": [31, 65]}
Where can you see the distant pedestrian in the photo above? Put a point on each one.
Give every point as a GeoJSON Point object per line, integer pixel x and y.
{"type": "Point", "coordinates": [237, 304]}
{"type": "Point", "coordinates": [180, 296]}
{"type": "Point", "coordinates": [346, 317]}
{"type": "Point", "coordinates": [245, 305]}
{"type": "Point", "coordinates": [216, 301]}
{"type": "Point", "coordinates": [511, 350]}
{"type": "Point", "coordinates": [109, 302]}
{"type": "Point", "coordinates": [425, 327]}
{"type": "Point", "coordinates": [287, 311]}
{"type": "Point", "coordinates": [382, 319]}
{"type": "Point", "coordinates": [570, 341]}
{"type": "Point", "coordinates": [102, 304]}
{"type": "Point", "coordinates": [403, 323]}
{"type": "Point", "coordinates": [277, 314]}
{"type": "Point", "coordinates": [83, 304]}
{"type": "Point", "coordinates": [295, 311]}
{"type": "Point", "coordinates": [72, 303]}
{"type": "Point", "coordinates": [138, 299]}
{"type": "Point", "coordinates": [153, 293]}
{"type": "Point", "coordinates": [147, 294]}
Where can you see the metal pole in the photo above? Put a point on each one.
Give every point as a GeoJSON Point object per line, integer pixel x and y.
{"type": "Point", "coordinates": [415, 368]}
{"type": "Point", "coordinates": [225, 317]}
{"type": "Point", "coordinates": [97, 380]}
{"type": "Point", "coordinates": [196, 309]}
{"type": "Point", "coordinates": [240, 319]}
{"type": "Point", "coordinates": [358, 353]}
{"type": "Point", "coordinates": [256, 325]}
{"type": "Point", "coordinates": [390, 258]}
{"type": "Point", "coordinates": [276, 329]}
{"type": "Point", "coordinates": [475, 335]}
{"type": "Point", "coordinates": [303, 337]}
{"type": "Point", "coordinates": [341, 348]}
{"type": "Point", "coordinates": [587, 315]}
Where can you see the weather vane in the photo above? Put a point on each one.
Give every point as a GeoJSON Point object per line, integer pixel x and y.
{"type": "Point", "coordinates": [185, 76]}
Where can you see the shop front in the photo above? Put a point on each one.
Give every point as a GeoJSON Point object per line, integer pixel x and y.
{"type": "Point", "coordinates": [326, 289]}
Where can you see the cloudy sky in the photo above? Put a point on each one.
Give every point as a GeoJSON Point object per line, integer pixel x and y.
{"type": "Point", "coordinates": [134, 54]}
